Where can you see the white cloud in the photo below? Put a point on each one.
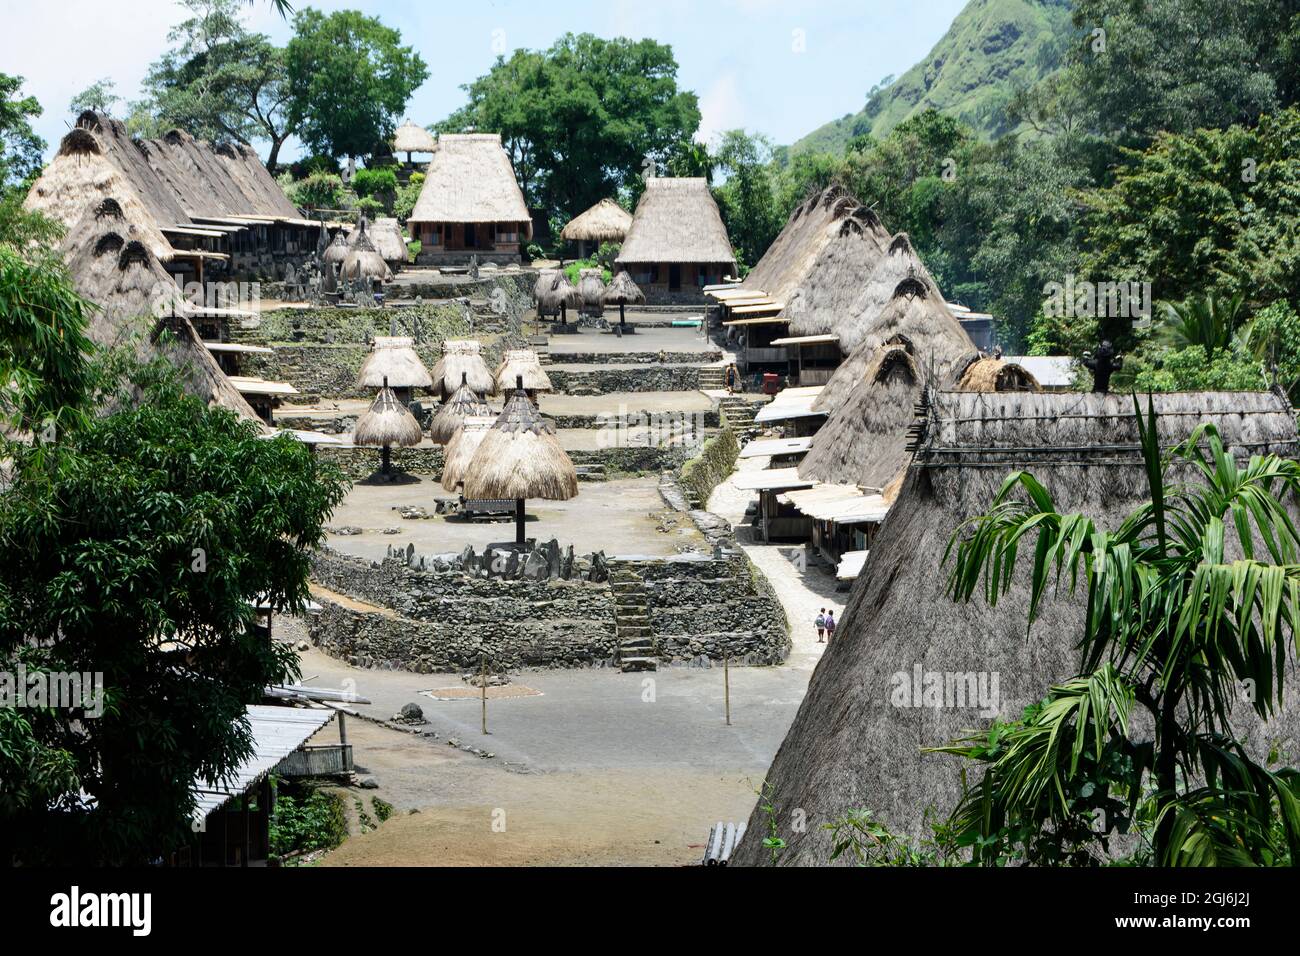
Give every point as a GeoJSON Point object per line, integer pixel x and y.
{"type": "Point", "coordinates": [721, 108]}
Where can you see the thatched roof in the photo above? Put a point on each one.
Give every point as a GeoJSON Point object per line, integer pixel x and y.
{"type": "Point", "coordinates": [913, 313]}
{"type": "Point", "coordinates": [850, 746]}
{"type": "Point", "coordinates": [111, 267]}
{"type": "Point", "coordinates": [337, 250]}
{"type": "Point", "coordinates": [677, 220]}
{"type": "Point", "coordinates": [591, 291]}
{"type": "Point", "coordinates": [864, 442]}
{"type": "Point", "coordinates": [814, 224]}
{"type": "Point", "coordinates": [363, 260]}
{"type": "Point", "coordinates": [463, 405]}
{"type": "Point", "coordinates": [461, 358]}
{"type": "Point", "coordinates": [989, 374]}
{"type": "Point", "coordinates": [80, 176]}
{"type": "Point", "coordinates": [830, 298]}
{"type": "Point", "coordinates": [396, 360]}
{"type": "Point", "coordinates": [606, 221]}
{"type": "Point", "coordinates": [622, 288]}
{"type": "Point", "coordinates": [386, 234]}
{"type": "Point", "coordinates": [521, 362]}
{"type": "Point", "coordinates": [387, 422]}
{"type": "Point", "coordinates": [459, 450]}
{"type": "Point", "coordinates": [553, 288]}
{"type": "Point", "coordinates": [413, 138]}
{"type": "Point", "coordinates": [521, 458]}
{"type": "Point", "coordinates": [470, 179]}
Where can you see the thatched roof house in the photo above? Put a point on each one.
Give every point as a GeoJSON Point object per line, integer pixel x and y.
{"type": "Point", "coordinates": [413, 138]}
{"type": "Point", "coordinates": [554, 293]}
{"type": "Point", "coordinates": [677, 243]}
{"type": "Point", "coordinates": [462, 361]}
{"type": "Point", "coordinates": [521, 364]}
{"type": "Point", "coordinates": [470, 203]}
{"type": "Point", "coordinates": [386, 234]}
{"type": "Point", "coordinates": [363, 260]}
{"type": "Point", "coordinates": [850, 746]}
{"type": "Point", "coordinates": [394, 360]}
{"type": "Point", "coordinates": [463, 405]}
{"type": "Point", "coordinates": [606, 221]}
{"type": "Point", "coordinates": [459, 450]}
{"type": "Point", "coordinates": [112, 266]}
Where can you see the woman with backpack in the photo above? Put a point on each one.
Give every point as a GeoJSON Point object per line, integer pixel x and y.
{"type": "Point", "coordinates": [820, 624]}
{"type": "Point", "coordinates": [830, 626]}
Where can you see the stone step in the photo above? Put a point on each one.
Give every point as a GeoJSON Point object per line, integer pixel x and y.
{"type": "Point", "coordinates": [639, 664]}
{"type": "Point", "coordinates": [633, 633]}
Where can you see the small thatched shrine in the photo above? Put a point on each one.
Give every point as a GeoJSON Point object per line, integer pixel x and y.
{"type": "Point", "coordinates": [591, 292]}
{"type": "Point", "coordinates": [413, 138]}
{"type": "Point", "coordinates": [386, 423]}
{"type": "Point", "coordinates": [555, 294]}
{"type": "Point", "coordinates": [606, 221]}
{"type": "Point", "coordinates": [462, 362]}
{"type": "Point", "coordinates": [522, 366]}
{"type": "Point", "coordinates": [386, 234]}
{"type": "Point", "coordinates": [459, 450]}
{"type": "Point", "coordinates": [520, 458]}
{"type": "Point", "coordinates": [363, 260]}
{"type": "Point", "coordinates": [989, 373]}
{"type": "Point", "coordinates": [395, 362]}
{"type": "Point", "coordinates": [677, 243]}
{"type": "Point", "coordinates": [622, 291]}
{"type": "Point", "coordinates": [336, 251]}
{"type": "Point", "coordinates": [851, 745]}
{"type": "Point", "coordinates": [464, 404]}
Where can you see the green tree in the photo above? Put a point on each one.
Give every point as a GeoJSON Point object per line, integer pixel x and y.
{"type": "Point", "coordinates": [349, 78]}
{"type": "Point", "coordinates": [20, 147]}
{"type": "Point", "coordinates": [584, 118]}
{"type": "Point", "coordinates": [99, 96]}
{"type": "Point", "coordinates": [746, 197]}
{"type": "Point", "coordinates": [1177, 624]}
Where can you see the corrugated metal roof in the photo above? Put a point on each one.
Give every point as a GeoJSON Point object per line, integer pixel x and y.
{"type": "Point", "coordinates": [841, 504]}
{"type": "Point", "coordinates": [850, 566]}
{"type": "Point", "coordinates": [790, 403]}
{"type": "Point", "coordinates": [769, 479]}
{"type": "Point", "coordinates": [763, 447]}
{"type": "Point", "coordinates": [277, 732]}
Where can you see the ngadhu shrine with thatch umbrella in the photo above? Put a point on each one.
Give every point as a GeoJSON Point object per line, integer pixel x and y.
{"type": "Point", "coordinates": [386, 423]}
{"type": "Point", "coordinates": [463, 405]}
{"type": "Point", "coordinates": [522, 369]}
{"type": "Point", "coordinates": [622, 291]}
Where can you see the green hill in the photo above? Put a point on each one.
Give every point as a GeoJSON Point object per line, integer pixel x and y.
{"type": "Point", "coordinates": [992, 47]}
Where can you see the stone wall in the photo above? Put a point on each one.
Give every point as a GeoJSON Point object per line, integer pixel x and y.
{"type": "Point", "coordinates": [713, 354]}
{"type": "Point", "coordinates": [710, 468]}
{"type": "Point", "coordinates": [327, 325]}
{"type": "Point", "coordinates": [604, 381]}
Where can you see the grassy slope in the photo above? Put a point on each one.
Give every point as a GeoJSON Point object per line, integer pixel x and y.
{"type": "Point", "coordinates": [992, 47]}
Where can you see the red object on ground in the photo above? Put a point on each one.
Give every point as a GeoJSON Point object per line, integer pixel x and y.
{"type": "Point", "coordinates": [771, 383]}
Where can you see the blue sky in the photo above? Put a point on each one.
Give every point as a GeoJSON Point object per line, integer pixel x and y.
{"type": "Point", "coordinates": [777, 67]}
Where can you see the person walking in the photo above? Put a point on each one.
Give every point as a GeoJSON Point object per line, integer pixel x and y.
{"type": "Point", "coordinates": [820, 624]}
{"type": "Point", "coordinates": [732, 376]}
{"type": "Point", "coordinates": [830, 626]}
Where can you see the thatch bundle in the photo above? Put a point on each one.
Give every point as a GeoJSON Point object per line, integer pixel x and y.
{"type": "Point", "coordinates": [606, 221]}
{"type": "Point", "coordinates": [622, 290]}
{"type": "Point", "coordinates": [140, 303]}
{"type": "Point", "coordinates": [459, 450]}
{"type": "Point", "coordinates": [864, 441]}
{"type": "Point", "coordinates": [363, 260]}
{"type": "Point", "coordinates": [915, 314]}
{"type": "Point", "coordinates": [463, 405]}
{"type": "Point", "coordinates": [851, 745]}
{"type": "Point", "coordinates": [462, 361]}
{"type": "Point", "coordinates": [520, 458]}
{"type": "Point", "coordinates": [387, 422]}
{"type": "Point", "coordinates": [990, 374]}
{"type": "Point", "coordinates": [591, 290]}
{"type": "Point", "coordinates": [521, 364]}
{"type": "Point", "coordinates": [554, 292]}
{"type": "Point", "coordinates": [413, 138]}
{"type": "Point", "coordinates": [80, 177]}
{"type": "Point", "coordinates": [394, 360]}
{"type": "Point", "coordinates": [676, 220]}
{"type": "Point", "coordinates": [386, 234]}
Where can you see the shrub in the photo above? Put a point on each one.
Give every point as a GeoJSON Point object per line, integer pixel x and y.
{"type": "Point", "coordinates": [306, 819]}
{"type": "Point", "coordinates": [370, 207]}
{"type": "Point", "coordinates": [318, 191]}
{"type": "Point", "coordinates": [374, 182]}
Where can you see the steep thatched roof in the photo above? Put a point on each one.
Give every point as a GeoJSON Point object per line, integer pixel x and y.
{"type": "Point", "coordinates": [470, 179]}
{"type": "Point", "coordinates": [521, 458]}
{"type": "Point", "coordinates": [413, 138]}
{"type": "Point", "coordinates": [387, 422]}
{"type": "Point", "coordinates": [396, 360]}
{"type": "Point", "coordinates": [363, 260]}
{"type": "Point", "coordinates": [814, 224]}
{"type": "Point", "coordinates": [864, 442]}
{"type": "Point", "coordinates": [111, 267]}
{"type": "Point", "coordinates": [553, 288]}
{"type": "Point", "coordinates": [622, 289]}
{"type": "Point", "coordinates": [387, 236]}
{"type": "Point", "coordinates": [459, 450]}
{"type": "Point", "coordinates": [591, 291]}
{"type": "Point", "coordinates": [80, 176]}
{"type": "Point", "coordinates": [829, 299]}
{"type": "Point", "coordinates": [990, 374]}
{"type": "Point", "coordinates": [208, 180]}
{"type": "Point", "coordinates": [463, 405]}
{"type": "Point", "coordinates": [521, 362]}
{"type": "Point", "coordinates": [462, 358]}
{"type": "Point", "coordinates": [606, 221]}
{"type": "Point", "coordinates": [676, 220]}
{"type": "Point", "coordinates": [849, 745]}
{"type": "Point", "coordinates": [913, 313]}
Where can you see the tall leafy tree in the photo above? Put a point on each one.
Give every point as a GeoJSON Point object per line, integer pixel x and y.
{"type": "Point", "coordinates": [584, 118]}
{"type": "Point", "coordinates": [20, 147]}
{"type": "Point", "coordinates": [746, 198]}
{"type": "Point", "coordinates": [98, 96]}
{"type": "Point", "coordinates": [349, 79]}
